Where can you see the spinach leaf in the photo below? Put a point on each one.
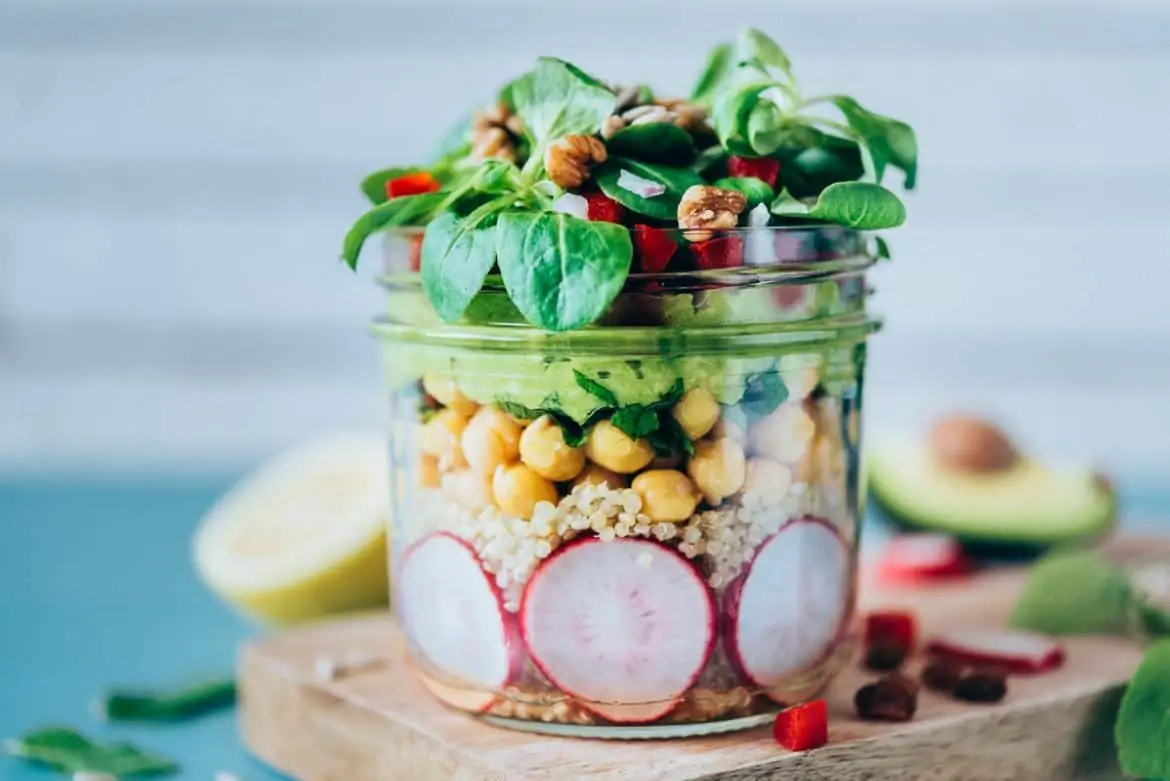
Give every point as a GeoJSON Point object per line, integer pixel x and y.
{"type": "Point", "coordinates": [407, 210]}
{"type": "Point", "coordinates": [170, 705]}
{"type": "Point", "coordinates": [890, 141]}
{"type": "Point", "coordinates": [720, 63]}
{"type": "Point", "coordinates": [68, 751]}
{"type": "Point", "coordinates": [595, 388]}
{"type": "Point", "coordinates": [562, 272]}
{"type": "Point", "coordinates": [457, 254]}
{"type": "Point", "coordinates": [710, 160]}
{"type": "Point", "coordinates": [661, 207]}
{"type": "Point", "coordinates": [654, 142]}
{"type": "Point", "coordinates": [763, 393]}
{"type": "Point", "coordinates": [823, 160]}
{"type": "Point", "coordinates": [749, 123]}
{"type": "Point", "coordinates": [858, 205]}
{"type": "Point", "coordinates": [755, 190]}
{"type": "Point", "coordinates": [556, 99]}
{"type": "Point", "coordinates": [756, 48]}
{"type": "Point", "coordinates": [1142, 731]}
{"type": "Point", "coordinates": [374, 185]}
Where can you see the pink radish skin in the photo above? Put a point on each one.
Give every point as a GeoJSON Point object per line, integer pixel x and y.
{"type": "Point", "coordinates": [790, 609]}
{"type": "Point", "coordinates": [625, 627]}
{"type": "Point", "coordinates": [452, 613]}
{"type": "Point", "coordinates": [1019, 652]}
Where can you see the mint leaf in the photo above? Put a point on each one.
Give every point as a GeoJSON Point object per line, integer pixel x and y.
{"type": "Point", "coordinates": [890, 141]}
{"type": "Point", "coordinates": [636, 420]}
{"type": "Point", "coordinates": [1074, 593]}
{"type": "Point", "coordinates": [170, 705]}
{"type": "Point", "coordinates": [763, 393]}
{"type": "Point", "coordinates": [660, 207]}
{"type": "Point", "coordinates": [457, 255]}
{"type": "Point", "coordinates": [556, 99]}
{"type": "Point", "coordinates": [653, 142]}
{"type": "Point", "coordinates": [595, 388]}
{"type": "Point", "coordinates": [67, 750]}
{"type": "Point", "coordinates": [407, 210]}
{"type": "Point", "coordinates": [1142, 731]}
{"type": "Point", "coordinates": [755, 190]}
{"type": "Point", "coordinates": [562, 272]}
{"type": "Point", "coordinates": [858, 205]}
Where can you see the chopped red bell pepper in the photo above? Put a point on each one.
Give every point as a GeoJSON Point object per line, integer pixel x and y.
{"type": "Point", "coordinates": [602, 208]}
{"type": "Point", "coordinates": [720, 252]}
{"type": "Point", "coordinates": [654, 248]}
{"type": "Point", "coordinates": [897, 628]}
{"type": "Point", "coordinates": [802, 727]}
{"type": "Point", "coordinates": [766, 169]}
{"type": "Point", "coordinates": [416, 252]}
{"type": "Point", "coordinates": [411, 184]}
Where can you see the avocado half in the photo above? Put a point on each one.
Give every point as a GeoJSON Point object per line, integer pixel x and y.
{"type": "Point", "coordinates": [1016, 513]}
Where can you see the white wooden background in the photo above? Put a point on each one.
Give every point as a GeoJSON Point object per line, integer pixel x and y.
{"type": "Point", "coordinates": [175, 178]}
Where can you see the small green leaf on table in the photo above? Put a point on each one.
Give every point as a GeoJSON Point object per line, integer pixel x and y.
{"type": "Point", "coordinates": [1075, 593]}
{"type": "Point", "coordinates": [858, 205]}
{"type": "Point", "coordinates": [1142, 731]}
{"type": "Point", "coordinates": [178, 704]}
{"type": "Point", "coordinates": [562, 272]}
{"type": "Point", "coordinates": [68, 751]}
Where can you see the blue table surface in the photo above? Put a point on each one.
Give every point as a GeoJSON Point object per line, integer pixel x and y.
{"type": "Point", "coordinates": [96, 588]}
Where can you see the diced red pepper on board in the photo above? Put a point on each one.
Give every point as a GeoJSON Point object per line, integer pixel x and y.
{"type": "Point", "coordinates": [766, 169]}
{"type": "Point", "coordinates": [654, 248]}
{"type": "Point", "coordinates": [602, 208]}
{"type": "Point", "coordinates": [720, 252]}
{"type": "Point", "coordinates": [803, 727]}
{"type": "Point", "coordinates": [411, 184]}
{"type": "Point", "coordinates": [897, 628]}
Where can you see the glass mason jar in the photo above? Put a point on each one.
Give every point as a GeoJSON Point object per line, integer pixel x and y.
{"type": "Point", "coordinates": [644, 528]}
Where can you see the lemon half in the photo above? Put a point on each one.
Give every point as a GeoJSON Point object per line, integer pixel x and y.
{"type": "Point", "coordinates": [304, 535]}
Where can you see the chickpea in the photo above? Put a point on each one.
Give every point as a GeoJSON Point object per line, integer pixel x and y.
{"type": "Point", "coordinates": [785, 435]}
{"type": "Point", "coordinates": [446, 392]}
{"type": "Point", "coordinates": [469, 489]}
{"type": "Point", "coordinates": [490, 439]}
{"type": "Point", "coordinates": [667, 495]}
{"type": "Point", "coordinates": [543, 450]}
{"type": "Point", "coordinates": [428, 471]}
{"type": "Point", "coordinates": [800, 380]}
{"type": "Point", "coordinates": [599, 475]}
{"type": "Point", "coordinates": [609, 446]}
{"type": "Point", "coordinates": [767, 477]}
{"type": "Point", "coordinates": [696, 412]}
{"type": "Point", "coordinates": [517, 489]}
{"type": "Point", "coordinates": [718, 467]}
{"type": "Point", "coordinates": [440, 437]}
{"type": "Point", "coordinates": [726, 428]}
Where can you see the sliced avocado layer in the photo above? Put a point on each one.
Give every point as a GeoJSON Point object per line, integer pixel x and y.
{"type": "Point", "coordinates": [1029, 505]}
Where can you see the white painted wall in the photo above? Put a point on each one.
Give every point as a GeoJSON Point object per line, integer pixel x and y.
{"type": "Point", "coordinates": [175, 179]}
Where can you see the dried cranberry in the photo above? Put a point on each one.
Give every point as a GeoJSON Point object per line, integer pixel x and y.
{"type": "Point", "coordinates": [602, 208]}
{"type": "Point", "coordinates": [766, 169]}
{"type": "Point", "coordinates": [803, 726]}
{"type": "Point", "coordinates": [982, 685]}
{"type": "Point", "coordinates": [411, 184]}
{"type": "Point", "coordinates": [893, 697]}
{"type": "Point", "coordinates": [885, 656]}
{"type": "Point", "coordinates": [719, 253]}
{"type": "Point", "coordinates": [942, 674]}
{"type": "Point", "coordinates": [654, 248]}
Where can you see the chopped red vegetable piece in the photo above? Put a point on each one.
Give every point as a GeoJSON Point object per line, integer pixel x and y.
{"type": "Point", "coordinates": [765, 169]}
{"type": "Point", "coordinates": [925, 556]}
{"type": "Point", "coordinates": [602, 208]}
{"type": "Point", "coordinates": [1012, 650]}
{"type": "Point", "coordinates": [654, 248]}
{"type": "Point", "coordinates": [720, 252]}
{"type": "Point", "coordinates": [897, 628]}
{"type": "Point", "coordinates": [802, 727]}
{"type": "Point", "coordinates": [416, 243]}
{"type": "Point", "coordinates": [411, 184]}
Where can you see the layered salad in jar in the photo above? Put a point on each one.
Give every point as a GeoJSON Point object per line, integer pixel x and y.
{"type": "Point", "coordinates": [624, 340]}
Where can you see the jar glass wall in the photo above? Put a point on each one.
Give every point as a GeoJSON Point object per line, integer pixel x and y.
{"type": "Point", "coordinates": [647, 527]}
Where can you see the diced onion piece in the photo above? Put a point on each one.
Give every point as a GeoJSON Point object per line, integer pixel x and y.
{"type": "Point", "coordinates": [640, 186]}
{"type": "Point", "coordinates": [759, 249]}
{"type": "Point", "coordinates": [572, 204]}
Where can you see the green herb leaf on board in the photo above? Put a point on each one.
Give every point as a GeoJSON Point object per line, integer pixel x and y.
{"type": "Point", "coordinates": [185, 702]}
{"type": "Point", "coordinates": [1074, 593]}
{"type": "Point", "coordinates": [1142, 731]}
{"type": "Point", "coordinates": [68, 751]}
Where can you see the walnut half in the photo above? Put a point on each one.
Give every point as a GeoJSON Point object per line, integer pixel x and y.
{"type": "Point", "coordinates": [568, 160]}
{"type": "Point", "coordinates": [704, 209]}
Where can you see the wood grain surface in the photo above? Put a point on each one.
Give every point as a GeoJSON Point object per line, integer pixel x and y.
{"type": "Point", "coordinates": [379, 724]}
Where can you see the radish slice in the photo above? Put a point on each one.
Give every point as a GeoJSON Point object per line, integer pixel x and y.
{"type": "Point", "coordinates": [787, 612]}
{"type": "Point", "coordinates": [1020, 652]}
{"type": "Point", "coordinates": [910, 557]}
{"type": "Point", "coordinates": [624, 626]}
{"type": "Point", "coordinates": [461, 699]}
{"type": "Point", "coordinates": [451, 611]}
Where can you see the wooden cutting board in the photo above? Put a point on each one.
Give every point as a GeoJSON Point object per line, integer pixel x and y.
{"type": "Point", "coordinates": [379, 724]}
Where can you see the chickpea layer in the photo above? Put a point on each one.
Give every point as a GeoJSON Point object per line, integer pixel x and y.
{"type": "Point", "coordinates": [613, 449]}
{"type": "Point", "coordinates": [667, 495]}
{"type": "Point", "coordinates": [517, 490]}
{"type": "Point", "coordinates": [491, 439]}
{"type": "Point", "coordinates": [544, 451]}
{"type": "Point", "coordinates": [593, 474]}
{"type": "Point", "coordinates": [440, 437]}
{"type": "Point", "coordinates": [718, 468]}
{"type": "Point", "coordinates": [696, 412]}
{"type": "Point", "coordinates": [446, 392]}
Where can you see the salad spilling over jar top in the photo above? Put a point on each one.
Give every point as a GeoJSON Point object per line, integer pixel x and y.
{"type": "Point", "coordinates": [624, 339]}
